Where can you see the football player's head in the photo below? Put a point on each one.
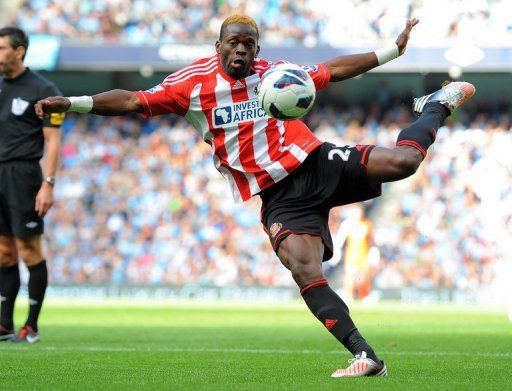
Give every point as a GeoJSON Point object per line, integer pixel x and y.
{"type": "Point", "coordinates": [238, 45]}
{"type": "Point", "coordinates": [13, 47]}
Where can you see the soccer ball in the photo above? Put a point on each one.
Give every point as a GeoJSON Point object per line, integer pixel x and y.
{"type": "Point", "coordinates": [286, 92]}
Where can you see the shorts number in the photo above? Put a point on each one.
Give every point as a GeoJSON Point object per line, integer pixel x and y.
{"type": "Point", "coordinates": [342, 154]}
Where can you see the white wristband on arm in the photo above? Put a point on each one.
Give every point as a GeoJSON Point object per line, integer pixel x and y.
{"type": "Point", "coordinates": [80, 104]}
{"type": "Point", "coordinates": [387, 53]}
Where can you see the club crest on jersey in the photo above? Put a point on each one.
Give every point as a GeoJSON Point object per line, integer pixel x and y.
{"type": "Point", "coordinates": [155, 89]}
{"type": "Point", "coordinates": [236, 113]}
{"type": "Point", "coordinates": [275, 228]}
{"type": "Point", "coordinates": [308, 68]}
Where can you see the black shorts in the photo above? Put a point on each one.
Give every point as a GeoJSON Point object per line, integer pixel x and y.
{"type": "Point", "coordinates": [300, 204]}
{"type": "Point", "coordinates": [20, 182]}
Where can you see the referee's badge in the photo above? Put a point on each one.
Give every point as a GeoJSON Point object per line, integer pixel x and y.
{"type": "Point", "coordinates": [19, 106]}
{"type": "Point", "coordinates": [275, 228]}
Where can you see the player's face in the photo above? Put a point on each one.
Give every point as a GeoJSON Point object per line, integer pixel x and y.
{"type": "Point", "coordinates": [237, 49]}
{"type": "Point", "coordinates": [10, 58]}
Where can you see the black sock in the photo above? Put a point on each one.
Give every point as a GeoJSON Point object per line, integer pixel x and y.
{"type": "Point", "coordinates": [9, 288]}
{"type": "Point", "coordinates": [37, 283]}
{"type": "Point", "coordinates": [328, 307]}
{"type": "Point", "coordinates": [357, 344]}
{"type": "Point", "coordinates": [421, 134]}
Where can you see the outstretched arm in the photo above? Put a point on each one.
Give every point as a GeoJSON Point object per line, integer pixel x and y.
{"type": "Point", "coordinates": [345, 67]}
{"type": "Point", "coordinates": [114, 102]}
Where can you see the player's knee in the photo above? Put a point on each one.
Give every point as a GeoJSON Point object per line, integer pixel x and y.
{"type": "Point", "coordinates": [30, 256]}
{"type": "Point", "coordinates": [302, 255]}
{"type": "Point", "coordinates": [305, 271]}
{"type": "Point", "coordinates": [30, 251]}
{"type": "Point", "coordinates": [8, 257]}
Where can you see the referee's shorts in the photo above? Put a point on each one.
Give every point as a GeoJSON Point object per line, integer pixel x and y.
{"type": "Point", "coordinates": [20, 182]}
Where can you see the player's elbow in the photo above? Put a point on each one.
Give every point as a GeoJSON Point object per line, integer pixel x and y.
{"type": "Point", "coordinates": [131, 102]}
{"type": "Point", "coordinates": [135, 103]}
{"type": "Point", "coordinates": [406, 164]}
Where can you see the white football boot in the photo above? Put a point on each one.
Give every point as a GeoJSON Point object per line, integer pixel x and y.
{"type": "Point", "coordinates": [452, 95]}
{"type": "Point", "coordinates": [360, 366]}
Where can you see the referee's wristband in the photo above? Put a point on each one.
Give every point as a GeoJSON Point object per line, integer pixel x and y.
{"type": "Point", "coordinates": [80, 104]}
{"type": "Point", "coordinates": [387, 53]}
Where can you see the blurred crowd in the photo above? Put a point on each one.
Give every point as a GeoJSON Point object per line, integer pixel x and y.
{"type": "Point", "coordinates": [450, 224]}
{"type": "Point", "coordinates": [453, 223]}
{"type": "Point", "coordinates": [139, 201]}
{"type": "Point", "coordinates": [282, 22]}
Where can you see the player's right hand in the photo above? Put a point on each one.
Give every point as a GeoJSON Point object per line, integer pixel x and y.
{"type": "Point", "coordinates": [53, 104]}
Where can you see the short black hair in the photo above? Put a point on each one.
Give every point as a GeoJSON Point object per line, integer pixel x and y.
{"type": "Point", "coordinates": [17, 37]}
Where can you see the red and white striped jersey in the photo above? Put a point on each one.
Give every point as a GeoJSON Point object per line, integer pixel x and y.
{"type": "Point", "coordinates": [252, 150]}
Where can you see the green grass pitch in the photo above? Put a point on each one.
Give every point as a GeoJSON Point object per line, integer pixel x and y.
{"type": "Point", "coordinates": [191, 346]}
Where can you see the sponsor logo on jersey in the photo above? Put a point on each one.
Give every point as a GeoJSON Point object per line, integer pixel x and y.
{"type": "Point", "coordinates": [56, 119]}
{"type": "Point", "coordinates": [19, 106]}
{"type": "Point", "coordinates": [235, 113]}
{"type": "Point", "coordinates": [155, 89]}
{"type": "Point", "coordinates": [238, 85]}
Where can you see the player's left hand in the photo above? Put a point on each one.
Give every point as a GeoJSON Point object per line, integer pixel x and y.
{"type": "Point", "coordinates": [44, 199]}
{"type": "Point", "coordinates": [403, 38]}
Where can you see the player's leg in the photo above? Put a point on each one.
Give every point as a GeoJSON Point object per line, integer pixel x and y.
{"type": "Point", "coordinates": [303, 255]}
{"type": "Point", "coordinates": [9, 285]}
{"type": "Point", "coordinates": [23, 180]}
{"type": "Point", "coordinates": [295, 216]}
{"type": "Point", "coordinates": [30, 250]}
{"type": "Point", "coordinates": [386, 165]}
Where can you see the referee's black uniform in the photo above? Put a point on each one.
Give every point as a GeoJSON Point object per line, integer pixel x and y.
{"type": "Point", "coordinates": [21, 148]}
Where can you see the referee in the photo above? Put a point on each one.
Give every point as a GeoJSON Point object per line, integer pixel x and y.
{"type": "Point", "coordinates": [26, 189]}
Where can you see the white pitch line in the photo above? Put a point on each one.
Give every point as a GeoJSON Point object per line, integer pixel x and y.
{"type": "Point", "coordinates": [9, 347]}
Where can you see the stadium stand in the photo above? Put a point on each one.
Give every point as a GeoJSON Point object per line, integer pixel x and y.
{"type": "Point", "coordinates": [284, 22]}
{"type": "Point", "coordinates": [140, 202]}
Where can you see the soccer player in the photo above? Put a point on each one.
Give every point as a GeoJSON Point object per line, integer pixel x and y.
{"type": "Point", "coordinates": [298, 177]}
{"type": "Point", "coordinates": [26, 191]}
